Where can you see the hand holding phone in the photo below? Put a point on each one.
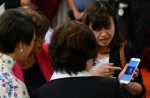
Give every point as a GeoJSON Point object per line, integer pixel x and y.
{"type": "Point", "coordinates": [134, 62]}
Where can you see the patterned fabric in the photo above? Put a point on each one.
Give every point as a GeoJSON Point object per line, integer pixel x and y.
{"type": "Point", "coordinates": [10, 86]}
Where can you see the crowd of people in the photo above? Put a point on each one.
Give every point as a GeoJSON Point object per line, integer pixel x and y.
{"type": "Point", "coordinates": [80, 58]}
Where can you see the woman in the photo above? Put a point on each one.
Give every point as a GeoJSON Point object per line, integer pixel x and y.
{"type": "Point", "coordinates": [77, 8]}
{"type": "Point", "coordinates": [16, 42]}
{"type": "Point", "coordinates": [72, 58]}
{"type": "Point", "coordinates": [101, 18]}
{"type": "Point", "coordinates": [36, 70]}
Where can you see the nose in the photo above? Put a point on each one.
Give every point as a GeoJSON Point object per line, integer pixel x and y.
{"type": "Point", "coordinates": [103, 33]}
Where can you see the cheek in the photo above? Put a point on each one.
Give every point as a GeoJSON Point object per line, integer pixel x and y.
{"type": "Point", "coordinates": [112, 35]}
{"type": "Point", "coordinates": [32, 45]}
{"type": "Point", "coordinates": [112, 30]}
{"type": "Point", "coordinates": [96, 36]}
{"type": "Point", "coordinates": [35, 47]}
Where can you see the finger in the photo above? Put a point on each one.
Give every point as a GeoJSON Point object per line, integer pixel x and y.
{"type": "Point", "coordinates": [110, 64]}
{"type": "Point", "coordinates": [114, 68]}
{"type": "Point", "coordinates": [110, 74]}
{"type": "Point", "coordinates": [109, 71]}
{"type": "Point", "coordinates": [137, 70]}
{"type": "Point", "coordinates": [124, 69]}
{"type": "Point", "coordinates": [135, 74]}
{"type": "Point", "coordinates": [132, 79]}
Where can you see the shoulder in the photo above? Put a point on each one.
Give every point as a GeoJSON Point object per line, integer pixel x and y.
{"type": "Point", "coordinates": [111, 81]}
{"type": "Point", "coordinates": [45, 47]}
{"type": "Point", "coordinates": [130, 51]}
{"type": "Point", "coordinates": [111, 85]}
{"type": "Point", "coordinates": [129, 46]}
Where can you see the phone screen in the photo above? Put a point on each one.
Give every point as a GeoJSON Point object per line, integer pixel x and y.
{"type": "Point", "coordinates": [129, 71]}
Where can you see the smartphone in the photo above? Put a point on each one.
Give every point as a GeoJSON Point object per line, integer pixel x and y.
{"type": "Point", "coordinates": [134, 62]}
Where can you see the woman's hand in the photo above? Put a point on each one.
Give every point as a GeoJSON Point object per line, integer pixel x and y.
{"type": "Point", "coordinates": [105, 70]}
{"type": "Point", "coordinates": [135, 74]}
{"type": "Point", "coordinates": [78, 15]}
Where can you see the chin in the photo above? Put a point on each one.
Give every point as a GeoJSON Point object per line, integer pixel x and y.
{"type": "Point", "coordinates": [104, 44]}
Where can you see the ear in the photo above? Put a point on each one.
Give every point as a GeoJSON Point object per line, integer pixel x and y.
{"type": "Point", "coordinates": [19, 47]}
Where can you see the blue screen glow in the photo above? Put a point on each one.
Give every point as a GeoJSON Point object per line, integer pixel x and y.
{"type": "Point", "coordinates": [129, 71]}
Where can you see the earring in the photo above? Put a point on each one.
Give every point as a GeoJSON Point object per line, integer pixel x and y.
{"type": "Point", "coordinates": [21, 50]}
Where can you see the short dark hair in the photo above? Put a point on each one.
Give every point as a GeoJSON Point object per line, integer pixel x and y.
{"type": "Point", "coordinates": [98, 14]}
{"type": "Point", "coordinates": [72, 44]}
{"type": "Point", "coordinates": [15, 27]}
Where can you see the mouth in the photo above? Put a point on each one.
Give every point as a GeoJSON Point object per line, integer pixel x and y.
{"type": "Point", "coordinates": [104, 41]}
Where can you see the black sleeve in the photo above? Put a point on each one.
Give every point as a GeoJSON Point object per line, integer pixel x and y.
{"type": "Point", "coordinates": [130, 53]}
{"type": "Point", "coordinates": [119, 93]}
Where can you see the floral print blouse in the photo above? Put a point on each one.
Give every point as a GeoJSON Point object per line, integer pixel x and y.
{"type": "Point", "coordinates": [10, 86]}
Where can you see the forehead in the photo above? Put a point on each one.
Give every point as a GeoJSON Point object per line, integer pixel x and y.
{"type": "Point", "coordinates": [102, 22]}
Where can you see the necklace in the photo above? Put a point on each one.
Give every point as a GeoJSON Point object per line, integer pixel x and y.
{"type": "Point", "coordinates": [28, 63]}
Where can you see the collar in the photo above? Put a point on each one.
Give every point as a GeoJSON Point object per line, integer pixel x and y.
{"type": "Point", "coordinates": [7, 61]}
{"type": "Point", "coordinates": [58, 75]}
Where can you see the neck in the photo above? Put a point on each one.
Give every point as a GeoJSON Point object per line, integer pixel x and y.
{"type": "Point", "coordinates": [29, 62]}
{"type": "Point", "coordinates": [104, 50]}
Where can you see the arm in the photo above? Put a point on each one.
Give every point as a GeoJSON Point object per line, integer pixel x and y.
{"type": "Point", "coordinates": [133, 88]}
{"type": "Point", "coordinates": [118, 91]}
{"type": "Point", "coordinates": [136, 87]}
{"type": "Point", "coordinates": [25, 2]}
{"type": "Point", "coordinates": [78, 15]}
{"type": "Point", "coordinates": [106, 69]}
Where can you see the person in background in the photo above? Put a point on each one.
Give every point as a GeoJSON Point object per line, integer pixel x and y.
{"type": "Point", "coordinates": [101, 18]}
{"type": "Point", "coordinates": [50, 29]}
{"type": "Point", "coordinates": [16, 42]}
{"type": "Point", "coordinates": [48, 7]}
{"type": "Point", "coordinates": [134, 22]}
{"type": "Point", "coordinates": [72, 58]}
{"type": "Point", "coordinates": [77, 8]}
{"type": "Point", "coordinates": [36, 70]}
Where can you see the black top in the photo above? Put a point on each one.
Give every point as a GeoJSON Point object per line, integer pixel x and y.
{"type": "Point", "coordinates": [33, 77]}
{"type": "Point", "coordinates": [80, 87]}
{"type": "Point", "coordinates": [129, 53]}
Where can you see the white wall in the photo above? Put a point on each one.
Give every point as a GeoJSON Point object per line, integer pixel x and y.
{"type": "Point", "coordinates": [1, 8]}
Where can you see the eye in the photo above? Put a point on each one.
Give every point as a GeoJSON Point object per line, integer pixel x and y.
{"type": "Point", "coordinates": [108, 27]}
{"type": "Point", "coordinates": [96, 30]}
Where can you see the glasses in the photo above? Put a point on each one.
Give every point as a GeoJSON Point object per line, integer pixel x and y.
{"type": "Point", "coordinates": [40, 39]}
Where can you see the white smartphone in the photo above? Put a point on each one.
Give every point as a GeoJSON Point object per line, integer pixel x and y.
{"type": "Point", "coordinates": [134, 62]}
